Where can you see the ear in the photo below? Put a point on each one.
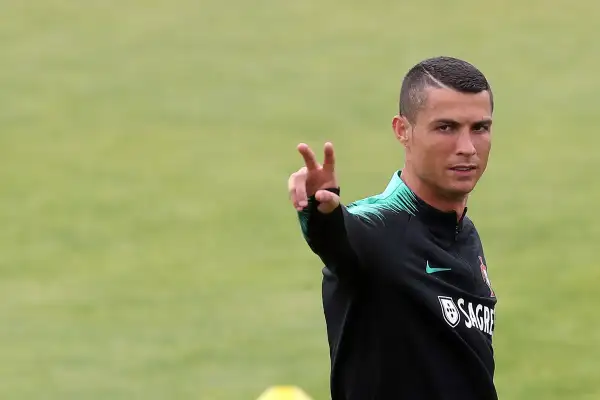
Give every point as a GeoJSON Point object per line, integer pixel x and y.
{"type": "Point", "coordinates": [401, 128]}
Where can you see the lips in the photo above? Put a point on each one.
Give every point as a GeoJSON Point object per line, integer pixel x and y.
{"type": "Point", "coordinates": [463, 168]}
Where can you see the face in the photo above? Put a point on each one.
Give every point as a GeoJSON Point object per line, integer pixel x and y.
{"type": "Point", "coordinates": [448, 144]}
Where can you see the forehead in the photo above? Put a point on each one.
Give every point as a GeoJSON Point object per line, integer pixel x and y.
{"type": "Point", "coordinates": [443, 103]}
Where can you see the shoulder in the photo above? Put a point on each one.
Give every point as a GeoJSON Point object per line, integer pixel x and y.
{"type": "Point", "coordinates": [397, 201]}
{"type": "Point", "coordinates": [469, 225]}
{"type": "Point", "coordinates": [471, 232]}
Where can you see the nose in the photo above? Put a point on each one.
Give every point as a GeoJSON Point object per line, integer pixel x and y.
{"type": "Point", "coordinates": [464, 145]}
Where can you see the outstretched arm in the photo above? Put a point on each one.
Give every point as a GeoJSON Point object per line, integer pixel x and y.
{"type": "Point", "coordinates": [331, 232]}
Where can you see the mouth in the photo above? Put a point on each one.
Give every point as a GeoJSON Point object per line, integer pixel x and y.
{"type": "Point", "coordinates": [463, 168]}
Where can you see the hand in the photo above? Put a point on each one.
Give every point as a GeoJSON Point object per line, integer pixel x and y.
{"type": "Point", "coordinates": [312, 179]}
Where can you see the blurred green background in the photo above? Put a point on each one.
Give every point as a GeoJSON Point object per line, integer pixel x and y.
{"type": "Point", "coordinates": [148, 248]}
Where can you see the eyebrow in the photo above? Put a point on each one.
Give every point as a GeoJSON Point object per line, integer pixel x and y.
{"type": "Point", "coordinates": [453, 122]}
{"type": "Point", "coordinates": [444, 121]}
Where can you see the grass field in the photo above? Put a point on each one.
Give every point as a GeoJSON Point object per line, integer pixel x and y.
{"type": "Point", "coordinates": [148, 249]}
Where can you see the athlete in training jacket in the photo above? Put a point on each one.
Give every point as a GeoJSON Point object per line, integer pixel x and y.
{"type": "Point", "coordinates": [407, 299]}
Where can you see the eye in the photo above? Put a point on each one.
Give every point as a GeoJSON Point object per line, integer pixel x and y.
{"type": "Point", "coordinates": [481, 128]}
{"type": "Point", "coordinates": [444, 128]}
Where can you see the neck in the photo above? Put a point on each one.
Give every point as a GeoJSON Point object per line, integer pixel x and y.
{"type": "Point", "coordinates": [430, 196]}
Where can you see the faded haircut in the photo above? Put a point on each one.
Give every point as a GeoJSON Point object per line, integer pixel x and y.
{"type": "Point", "coordinates": [438, 72]}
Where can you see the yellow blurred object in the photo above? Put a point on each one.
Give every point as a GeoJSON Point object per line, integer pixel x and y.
{"type": "Point", "coordinates": [284, 393]}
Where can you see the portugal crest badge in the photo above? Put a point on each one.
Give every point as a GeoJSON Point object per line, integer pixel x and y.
{"type": "Point", "coordinates": [485, 276]}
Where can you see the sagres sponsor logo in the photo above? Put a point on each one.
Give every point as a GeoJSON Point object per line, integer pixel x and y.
{"type": "Point", "coordinates": [473, 315]}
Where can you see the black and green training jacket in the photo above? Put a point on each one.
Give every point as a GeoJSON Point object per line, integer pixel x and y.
{"type": "Point", "coordinates": [409, 307]}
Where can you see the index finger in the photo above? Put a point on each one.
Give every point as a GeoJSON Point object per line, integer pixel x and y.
{"type": "Point", "coordinates": [329, 162]}
{"type": "Point", "coordinates": [309, 157]}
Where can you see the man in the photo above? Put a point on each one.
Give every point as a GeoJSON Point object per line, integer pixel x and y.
{"type": "Point", "coordinates": [409, 307]}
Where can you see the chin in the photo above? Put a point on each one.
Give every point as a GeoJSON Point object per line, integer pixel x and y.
{"type": "Point", "coordinates": [461, 189]}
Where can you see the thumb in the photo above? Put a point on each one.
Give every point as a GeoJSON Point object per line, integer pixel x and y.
{"type": "Point", "coordinates": [328, 201]}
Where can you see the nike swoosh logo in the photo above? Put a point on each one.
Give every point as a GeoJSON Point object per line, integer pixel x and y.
{"type": "Point", "coordinates": [430, 270]}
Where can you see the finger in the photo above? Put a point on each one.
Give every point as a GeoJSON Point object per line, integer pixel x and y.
{"type": "Point", "coordinates": [300, 189]}
{"type": "Point", "coordinates": [309, 157]}
{"type": "Point", "coordinates": [291, 186]}
{"type": "Point", "coordinates": [297, 179]}
{"type": "Point", "coordinates": [329, 162]}
{"type": "Point", "coordinates": [328, 201]}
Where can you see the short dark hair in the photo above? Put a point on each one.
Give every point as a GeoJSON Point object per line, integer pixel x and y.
{"type": "Point", "coordinates": [439, 72]}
